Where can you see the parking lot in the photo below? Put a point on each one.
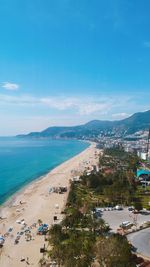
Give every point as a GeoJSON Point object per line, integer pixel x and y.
{"type": "Point", "coordinates": [116, 217]}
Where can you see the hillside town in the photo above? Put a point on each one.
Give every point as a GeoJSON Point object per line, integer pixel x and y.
{"type": "Point", "coordinates": [137, 143]}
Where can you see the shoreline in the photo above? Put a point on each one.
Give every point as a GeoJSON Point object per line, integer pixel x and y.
{"type": "Point", "coordinates": [37, 203]}
{"type": "Point", "coordinates": [11, 199]}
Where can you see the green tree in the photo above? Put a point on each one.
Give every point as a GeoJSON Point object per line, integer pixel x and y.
{"type": "Point", "coordinates": [114, 252]}
{"type": "Point", "coordinates": [138, 205]}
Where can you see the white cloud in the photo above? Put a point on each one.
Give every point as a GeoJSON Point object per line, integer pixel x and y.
{"type": "Point", "coordinates": [92, 107]}
{"type": "Point", "coordinates": [25, 113]}
{"type": "Point", "coordinates": [120, 115]}
{"type": "Point", "coordinates": [114, 107]}
{"type": "Point", "coordinates": [10, 86]}
{"type": "Point", "coordinates": [83, 106]}
{"type": "Point", "coordinates": [60, 103]}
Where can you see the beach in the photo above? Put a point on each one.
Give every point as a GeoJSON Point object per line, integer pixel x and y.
{"type": "Point", "coordinates": [37, 202]}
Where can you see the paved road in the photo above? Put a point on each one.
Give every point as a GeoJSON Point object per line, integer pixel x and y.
{"type": "Point", "coordinates": [141, 240]}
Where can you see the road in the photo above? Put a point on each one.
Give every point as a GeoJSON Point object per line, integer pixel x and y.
{"type": "Point", "coordinates": [141, 240]}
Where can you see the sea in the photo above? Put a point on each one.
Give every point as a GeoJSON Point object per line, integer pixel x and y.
{"type": "Point", "coordinates": [24, 160]}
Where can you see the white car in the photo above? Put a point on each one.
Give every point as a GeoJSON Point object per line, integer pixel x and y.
{"type": "Point", "coordinates": [118, 207]}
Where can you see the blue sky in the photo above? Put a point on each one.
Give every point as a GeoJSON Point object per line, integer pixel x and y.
{"type": "Point", "coordinates": [65, 62]}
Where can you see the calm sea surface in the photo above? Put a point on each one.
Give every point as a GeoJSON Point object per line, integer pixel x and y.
{"type": "Point", "coordinates": [22, 161]}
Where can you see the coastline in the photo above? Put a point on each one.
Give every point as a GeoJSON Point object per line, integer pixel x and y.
{"type": "Point", "coordinates": [11, 198]}
{"type": "Point", "coordinates": [37, 203]}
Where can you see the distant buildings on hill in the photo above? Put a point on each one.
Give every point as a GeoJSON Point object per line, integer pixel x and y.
{"type": "Point", "coordinates": [136, 143]}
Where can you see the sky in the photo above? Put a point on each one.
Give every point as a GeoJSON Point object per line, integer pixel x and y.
{"type": "Point", "coordinates": [66, 62]}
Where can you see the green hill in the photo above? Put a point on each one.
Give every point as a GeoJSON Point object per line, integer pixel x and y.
{"type": "Point", "coordinates": [136, 122]}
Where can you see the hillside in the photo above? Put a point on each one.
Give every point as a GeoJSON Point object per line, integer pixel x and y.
{"type": "Point", "coordinates": [136, 122]}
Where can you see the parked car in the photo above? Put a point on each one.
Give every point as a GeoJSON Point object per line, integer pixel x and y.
{"type": "Point", "coordinates": [119, 207]}
{"type": "Point", "coordinates": [130, 208]}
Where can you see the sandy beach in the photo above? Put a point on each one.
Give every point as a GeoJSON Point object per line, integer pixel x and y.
{"type": "Point", "coordinates": [34, 203]}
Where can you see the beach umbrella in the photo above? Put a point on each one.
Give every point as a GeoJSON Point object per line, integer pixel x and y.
{"type": "Point", "coordinates": [18, 221]}
{"type": "Point", "coordinates": [10, 229]}
{"type": "Point", "coordinates": [45, 225]}
{"type": "Point", "coordinates": [56, 206]}
{"type": "Point", "coordinates": [51, 190]}
{"type": "Point", "coordinates": [40, 229]}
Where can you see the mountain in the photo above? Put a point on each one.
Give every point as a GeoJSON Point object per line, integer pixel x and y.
{"type": "Point", "coordinates": [137, 122]}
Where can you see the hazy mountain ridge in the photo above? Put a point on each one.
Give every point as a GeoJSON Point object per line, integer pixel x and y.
{"type": "Point", "coordinates": [136, 122]}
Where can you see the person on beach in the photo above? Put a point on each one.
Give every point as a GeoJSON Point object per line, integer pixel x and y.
{"type": "Point", "coordinates": [27, 261]}
{"type": "Point", "coordinates": [22, 259]}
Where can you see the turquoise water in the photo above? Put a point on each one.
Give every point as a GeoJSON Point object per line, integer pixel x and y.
{"type": "Point", "coordinates": [22, 161]}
